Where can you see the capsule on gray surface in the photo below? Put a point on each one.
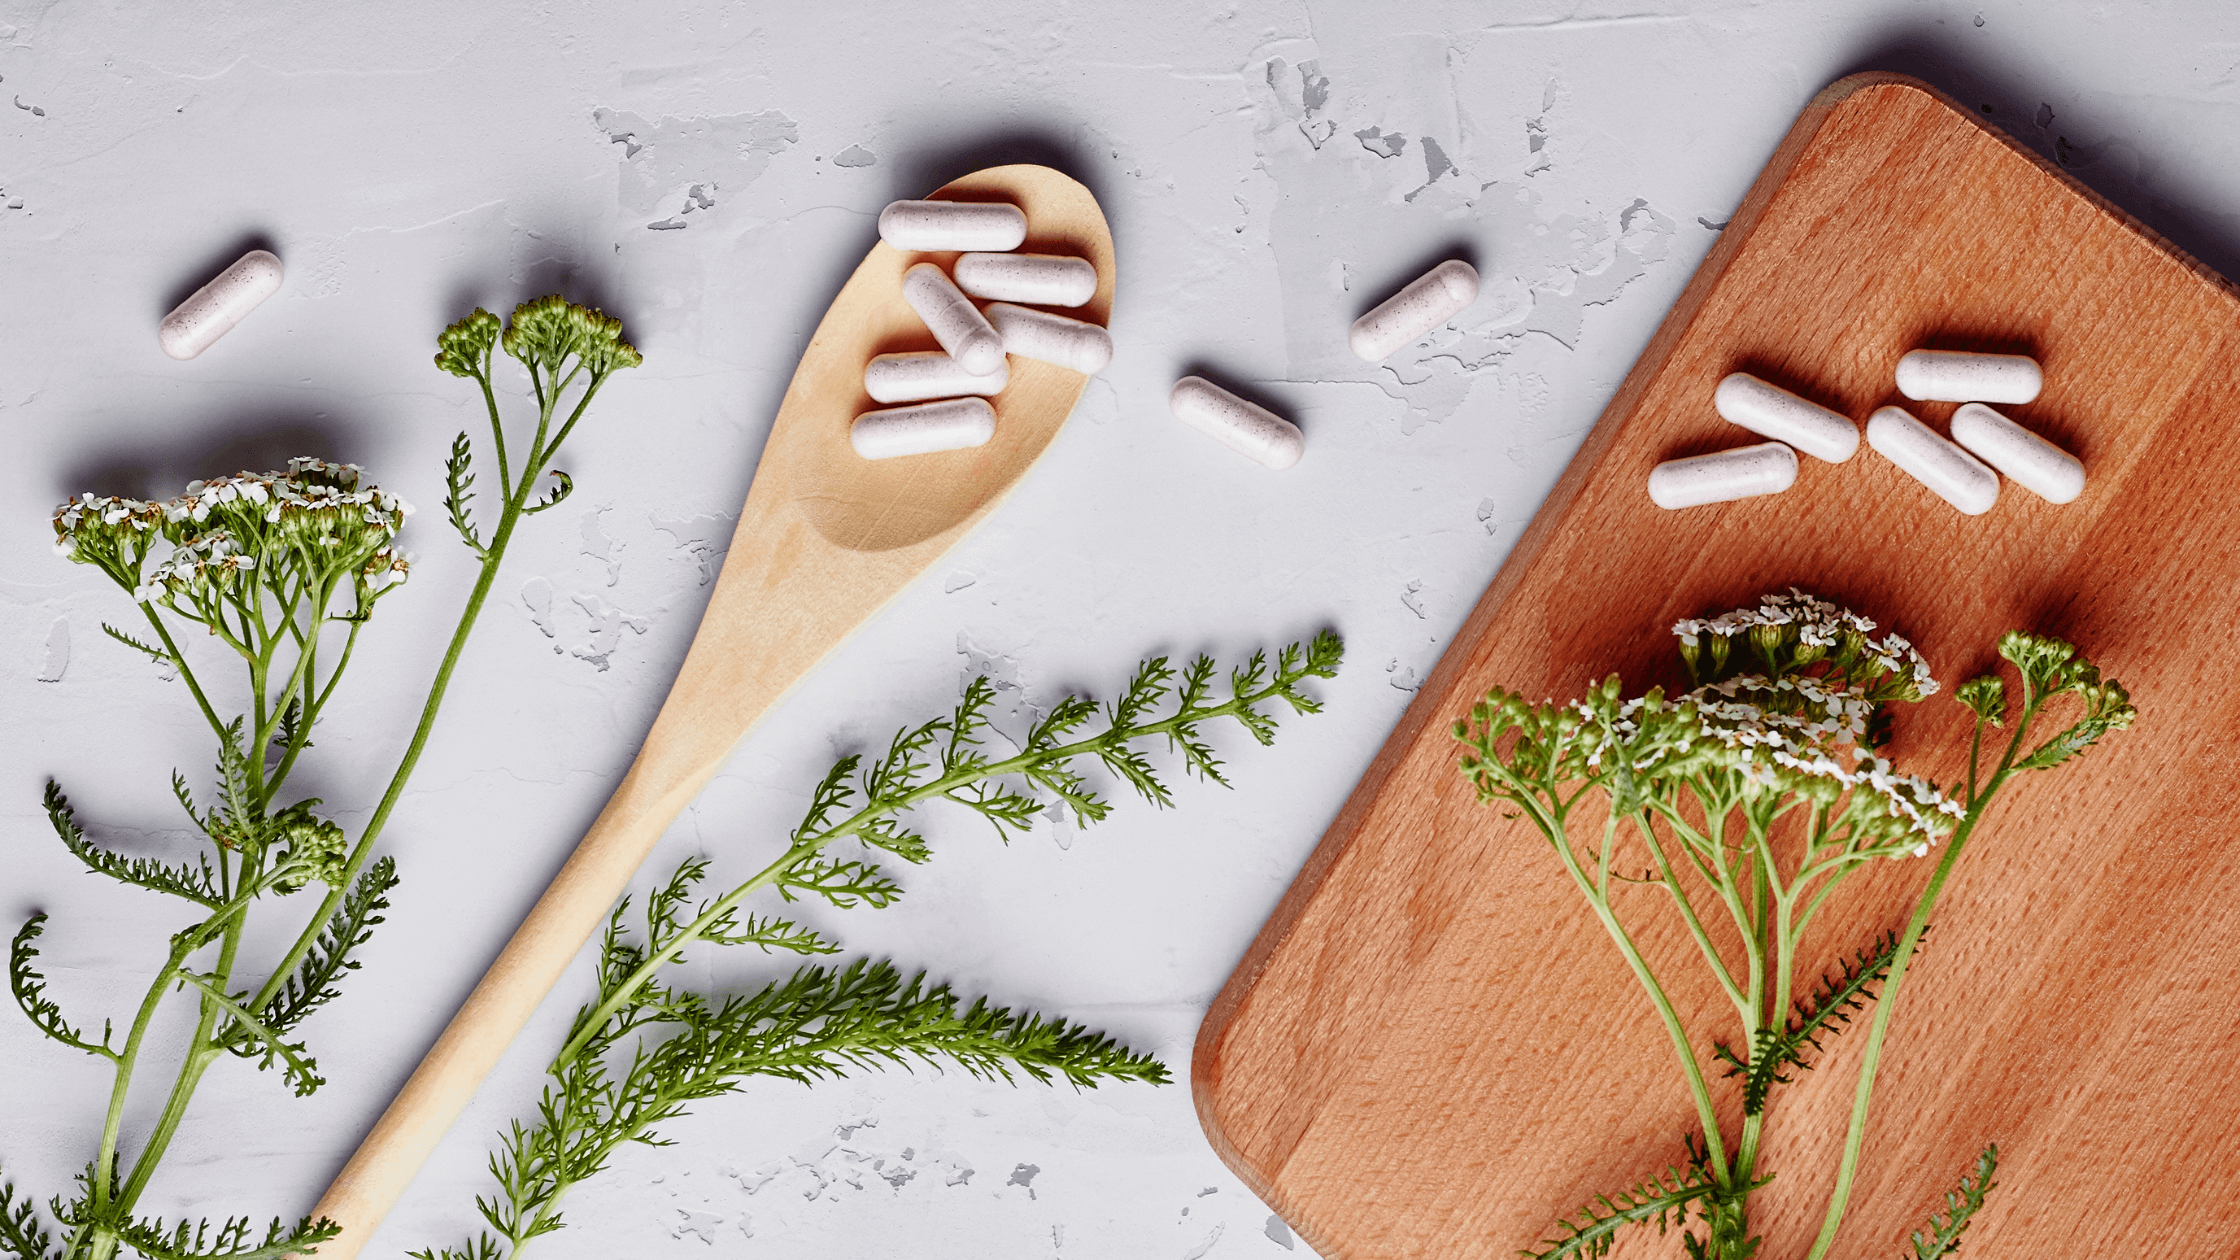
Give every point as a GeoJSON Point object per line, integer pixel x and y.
{"type": "Point", "coordinates": [956, 323]}
{"type": "Point", "coordinates": [1070, 343]}
{"type": "Point", "coordinates": [1250, 430]}
{"type": "Point", "coordinates": [932, 226]}
{"type": "Point", "coordinates": [1036, 279]}
{"type": "Point", "coordinates": [1430, 300]}
{"type": "Point", "coordinates": [949, 425]}
{"type": "Point", "coordinates": [195, 325]}
{"type": "Point", "coordinates": [2028, 460]}
{"type": "Point", "coordinates": [1961, 376]}
{"type": "Point", "coordinates": [1742, 473]}
{"type": "Point", "coordinates": [1950, 473]}
{"type": "Point", "coordinates": [1774, 412]}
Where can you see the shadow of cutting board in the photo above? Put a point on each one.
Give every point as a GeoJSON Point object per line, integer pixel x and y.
{"type": "Point", "coordinates": [1432, 1050]}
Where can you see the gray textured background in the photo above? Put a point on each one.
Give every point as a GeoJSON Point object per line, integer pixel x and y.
{"type": "Point", "coordinates": [711, 174]}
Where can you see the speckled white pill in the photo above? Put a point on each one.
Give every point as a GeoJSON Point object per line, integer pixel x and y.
{"type": "Point", "coordinates": [949, 425]}
{"type": "Point", "coordinates": [1254, 432]}
{"type": "Point", "coordinates": [1040, 279]}
{"type": "Point", "coordinates": [1950, 473]}
{"type": "Point", "coordinates": [1743, 473]}
{"type": "Point", "coordinates": [1435, 297]}
{"type": "Point", "coordinates": [945, 225]}
{"type": "Point", "coordinates": [2028, 460]}
{"type": "Point", "coordinates": [923, 374]}
{"type": "Point", "coordinates": [196, 324]}
{"type": "Point", "coordinates": [1776, 413]}
{"type": "Point", "coordinates": [1069, 343]}
{"type": "Point", "coordinates": [956, 323]}
{"type": "Point", "coordinates": [1958, 376]}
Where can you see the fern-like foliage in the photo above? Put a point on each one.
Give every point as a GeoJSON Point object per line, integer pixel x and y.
{"type": "Point", "coordinates": [262, 1042]}
{"type": "Point", "coordinates": [30, 989]}
{"type": "Point", "coordinates": [316, 981]}
{"type": "Point", "coordinates": [643, 1051]}
{"type": "Point", "coordinates": [458, 479]}
{"type": "Point", "coordinates": [1662, 1200]}
{"type": "Point", "coordinates": [154, 653]}
{"type": "Point", "coordinates": [1827, 1009]}
{"type": "Point", "coordinates": [554, 497]}
{"type": "Point", "coordinates": [197, 884]}
{"type": "Point", "coordinates": [818, 1023]}
{"type": "Point", "coordinates": [1960, 1206]}
{"type": "Point", "coordinates": [23, 1236]}
{"type": "Point", "coordinates": [234, 1239]}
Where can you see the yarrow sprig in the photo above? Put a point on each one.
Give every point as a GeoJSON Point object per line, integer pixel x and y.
{"type": "Point", "coordinates": [672, 1047]}
{"type": "Point", "coordinates": [1787, 717]}
{"type": "Point", "coordinates": [284, 570]}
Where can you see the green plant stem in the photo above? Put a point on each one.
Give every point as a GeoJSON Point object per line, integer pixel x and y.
{"type": "Point", "coordinates": [179, 662]}
{"type": "Point", "coordinates": [1657, 997]}
{"type": "Point", "coordinates": [1855, 1136]}
{"type": "Point", "coordinates": [363, 850]}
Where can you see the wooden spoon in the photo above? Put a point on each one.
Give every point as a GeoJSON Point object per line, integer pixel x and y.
{"type": "Point", "coordinates": [825, 540]}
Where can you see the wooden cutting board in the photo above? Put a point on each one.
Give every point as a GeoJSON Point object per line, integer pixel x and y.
{"type": "Point", "coordinates": [1432, 1049]}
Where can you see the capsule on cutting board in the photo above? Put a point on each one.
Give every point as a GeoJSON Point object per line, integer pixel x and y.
{"type": "Point", "coordinates": [1743, 473]}
{"type": "Point", "coordinates": [1950, 473]}
{"type": "Point", "coordinates": [932, 226]}
{"type": "Point", "coordinates": [1036, 279]}
{"type": "Point", "coordinates": [211, 312]}
{"type": "Point", "coordinates": [1070, 343]}
{"type": "Point", "coordinates": [2028, 460]}
{"type": "Point", "coordinates": [1252, 431]}
{"type": "Point", "coordinates": [1430, 300]}
{"type": "Point", "coordinates": [956, 323]}
{"type": "Point", "coordinates": [922, 374]}
{"type": "Point", "coordinates": [938, 426]}
{"type": "Point", "coordinates": [1961, 376]}
{"type": "Point", "coordinates": [1774, 412]}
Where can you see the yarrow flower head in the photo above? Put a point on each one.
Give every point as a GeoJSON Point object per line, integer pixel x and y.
{"type": "Point", "coordinates": [315, 521]}
{"type": "Point", "coordinates": [1803, 701]}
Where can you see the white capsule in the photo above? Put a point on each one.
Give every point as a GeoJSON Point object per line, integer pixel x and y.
{"type": "Point", "coordinates": [2030, 461]}
{"type": "Point", "coordinates": [1040, 279]}
{"type": "Point", "coordinates": [1254, 432]}
{"type": "Point", "coordinates": [1743, 473]}
{"type": "Point", "coordinates": [1435, 297]}
{"type": "Point", "coordinates": [923, 374]}
{"type": "Point", "coordinates": [1776, 413]}
{"type": "Point", "coordinates": [1069, 343]}
{"type": "Point", "coordinates": [1958, 376]}
{"type": "Point", "coordinates": [945, 225]}
{"type": "Point", "coordinates": [949, 425]}
{"type": "Point", "coordinates": [956, 323]}
{"type": "Point", "coordinates": [1950, 473]}
{"type": "Point", "coordinates": [196, 324]}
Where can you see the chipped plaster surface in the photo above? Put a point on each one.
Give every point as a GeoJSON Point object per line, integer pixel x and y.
{"type": "Point", "coordinates": [711, 173]}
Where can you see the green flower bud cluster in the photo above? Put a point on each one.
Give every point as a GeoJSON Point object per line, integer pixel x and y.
{"type": "Point", "coordinates": [316, 849]}
{"type": "Point", "coordinates": [545, 332]}
{"type": "Point", "coordinates": [543, 335]}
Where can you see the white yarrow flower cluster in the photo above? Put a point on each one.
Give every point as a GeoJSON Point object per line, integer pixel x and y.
{"type": "Point", "coordinates": [1812, 724]}
{"type": "Point", "coordinates": [316, 514]}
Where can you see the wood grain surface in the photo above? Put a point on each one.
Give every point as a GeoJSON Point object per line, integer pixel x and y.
{"type": "Point", "coordinates": [825, 540]}
{"type": "Point", "coordinates": [1432, 1050]}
